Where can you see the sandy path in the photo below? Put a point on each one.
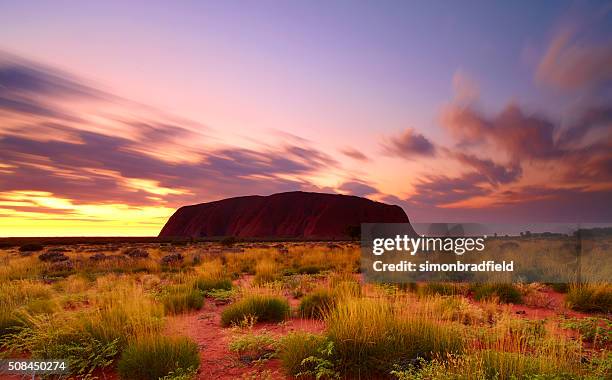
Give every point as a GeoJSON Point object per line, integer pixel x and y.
{"type": "Point", "coordinates": [217, 362]}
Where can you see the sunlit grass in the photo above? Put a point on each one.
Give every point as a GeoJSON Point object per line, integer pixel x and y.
{"type": "Point", "coordinates": [94, 313]}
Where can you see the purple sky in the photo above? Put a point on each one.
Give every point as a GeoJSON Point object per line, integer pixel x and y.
{"type": "Point", "coordinates": [115, 113]}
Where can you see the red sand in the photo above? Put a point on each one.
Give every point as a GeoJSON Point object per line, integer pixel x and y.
{"type": "Point", "coordinates": [555, 308]}
{"type": "Point", "coordinates": [217, 362]}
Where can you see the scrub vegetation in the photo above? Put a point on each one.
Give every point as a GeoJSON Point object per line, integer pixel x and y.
{"type": "Point", "coordinates": [299, 308]}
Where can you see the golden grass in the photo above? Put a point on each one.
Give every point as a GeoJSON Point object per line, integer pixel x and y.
{"type": "Point", "coordinates": [370, 329]}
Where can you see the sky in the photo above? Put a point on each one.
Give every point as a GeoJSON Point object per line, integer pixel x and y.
{"type": "Point", "coordinates": [113, 114]}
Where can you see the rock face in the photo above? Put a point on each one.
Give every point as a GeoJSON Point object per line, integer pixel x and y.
{"type": "Point", "coordinates": [295, 214]}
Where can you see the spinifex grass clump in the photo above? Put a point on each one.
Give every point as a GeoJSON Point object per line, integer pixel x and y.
{"type": "Point", "coordinates": [122, 314]}
{"type": "Point", "coordinates": [154, 357]}
{"type": "Point", "coordinates": [317, 304]}
{"type": "Point", "coordinates": [18, 299]}
{"type": "Point", "coordinates": [208, 283]}
{"type": "Point", "coordinates": [369, 336]}
{"type": "Point", "coordinates": [265, 308]}
{"type": "Point", "coordinates": [266, 271]}
{"type": "Point", "coordinates": [181, 298]}
{"type": "Point", "coordinates": [51, 337]}
{"type": "Point", "coordinates": [590, 297]}
{"type": "Point", "coordinates": [513, 365]}
{"type": "Point", "coordinates": [211, 276]}
{"type": "Point", "coordinates": [506, 293]}
{"type": "Point", "coordinates": [517, 348]}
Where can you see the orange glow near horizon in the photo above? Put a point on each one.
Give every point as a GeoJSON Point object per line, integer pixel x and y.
{"type": "Point", "coordinates": [61, 217]}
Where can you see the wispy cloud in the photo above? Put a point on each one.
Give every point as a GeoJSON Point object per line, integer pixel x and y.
{"type": "Point", "coordinates": [409, 144]}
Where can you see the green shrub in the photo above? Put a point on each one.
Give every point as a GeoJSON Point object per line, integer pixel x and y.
{"type": "Point", "coordinates": [181, 298]}
{"type": "Point", "coordinates": [590, 297]}
{"type": "Point", "coordinates": [316, 304]}
{"type": "Point", "coordinates": [594, 330]}
{"type": "Point", "coordinates": [86, 354]}
{"type": "Point", "coordinates": [208, 283]}
{"type": "Point", "coordinates": [297, 346]}
{"type": "Point", "coordinates": [322, 365]}
{"type": "Point", "coordinates": [253, 347]}
{"type": "Point", "coordinates": [157, 356]}
{"type": "Point", "coordinates": [506, 293]}
{"type": "Point", "coordinates": [452, 368]}
{"type": "Point", "coordinates": [221, 295]}
{"type": "Point", "coordinates": [264, 308]}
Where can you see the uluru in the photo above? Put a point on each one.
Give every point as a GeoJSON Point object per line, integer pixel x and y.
{"type": "Point", "coordinates": [296, 215]}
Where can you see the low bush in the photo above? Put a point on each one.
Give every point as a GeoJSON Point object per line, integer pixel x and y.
{"type": "Point", "coordinates": [297, 346]}
{"type": "Point", "coordinates": [594, 330]}
{"type": "Point", "coordinates": [157, 356]}
{"type": "Point", "coordinates": [590, 297]}
{"type": "Point", "coordinates": [485, 365]}
{"type": "Point", "coordinates": [265, 308]}
{"type": "Point", "coordinates": [181, 298]}
{"type": "Point", "coordinates": [208, 283]}
{"type": "Point", "coordinates": [253, 347]}
{"type": "Point", "coordinates": [316, 304]}
{"type": "Point", "coordinates": [222, 296]}
{"type": "Point", "coordinates": [299, 285]}
{"type": "Point", "coordinates": [506, 293]}
{"type": "Point", "coordinates": [446, 368]}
